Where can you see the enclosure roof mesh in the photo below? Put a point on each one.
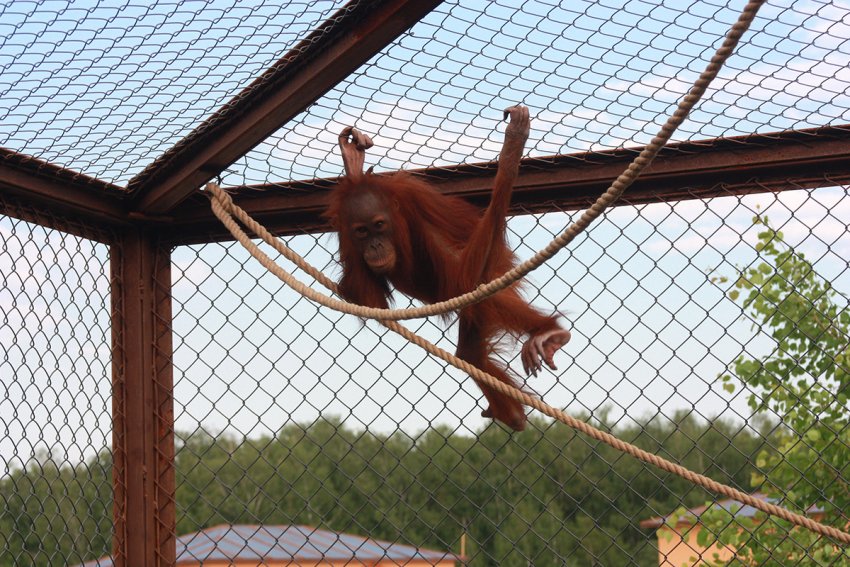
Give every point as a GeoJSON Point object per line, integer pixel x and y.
{"type": "Point", "coordinates": [106, 88]}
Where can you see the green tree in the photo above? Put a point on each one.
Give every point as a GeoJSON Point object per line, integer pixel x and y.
{"type": "Point", "coordinates": [803, 381]}
{"type": "Point", "coordinates": [547, 496]}
{"type": "Point", "coordinates": [53, 514]}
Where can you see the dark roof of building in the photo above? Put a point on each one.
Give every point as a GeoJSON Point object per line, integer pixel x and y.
{"type": "Point", "coordinates": [738, 509]}
{"type": "Point", "coordinates": [286, 543]}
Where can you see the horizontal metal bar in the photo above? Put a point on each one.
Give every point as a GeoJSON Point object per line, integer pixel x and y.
{"type": "Point", "coordinates": [691, 170]}
{"type": "Point", "coordinates": [39, 192]}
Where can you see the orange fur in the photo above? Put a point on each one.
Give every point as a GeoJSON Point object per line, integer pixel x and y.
{"type": "Point", "coordinates": [431, 232]}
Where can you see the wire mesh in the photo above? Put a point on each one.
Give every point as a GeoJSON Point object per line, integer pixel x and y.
{"type": "Point", "coordinates": [713, 332]}
{"type": "Point", "coordinates": [596, 75]}
{"type": "Point", "coordinates": [107, 89]}
{"type": "Point", "coordinates": [290, 414]}
{"type": "Point", "coordinates": [55, 405]}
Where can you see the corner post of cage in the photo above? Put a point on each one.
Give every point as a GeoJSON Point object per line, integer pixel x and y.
{"type": "Point", "coordinates": [143, 403]}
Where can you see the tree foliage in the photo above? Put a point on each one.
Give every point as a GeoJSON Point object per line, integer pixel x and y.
{"type": "Point", "coordinates": [547, 496]}
{"type": "Point", "coordinates": [52, 514]}
{"type": "Point", "coordinates": [803, 381]}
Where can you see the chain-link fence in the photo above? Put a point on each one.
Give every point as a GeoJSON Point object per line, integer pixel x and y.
{"type": "Point", "coordinates": [709, 312]}
{"type": "Point", "coordinates": [56, 399]}
{"type": "Point", "coordinates": [289, 413]}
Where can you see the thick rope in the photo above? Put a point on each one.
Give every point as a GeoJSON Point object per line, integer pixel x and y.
{"type": "Point", "coordinates": [595, 211]}
{"type": "Point", "coordinates": [536, 403]}
{"type": "Point", "coordinates": [223, 207]}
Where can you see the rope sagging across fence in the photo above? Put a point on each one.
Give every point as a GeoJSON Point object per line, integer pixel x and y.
{"type": "Point", "coordinates": [224, 207]}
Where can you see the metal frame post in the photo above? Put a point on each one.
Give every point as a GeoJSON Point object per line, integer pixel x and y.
{"type": "Point", "coordinates": [143, 409]}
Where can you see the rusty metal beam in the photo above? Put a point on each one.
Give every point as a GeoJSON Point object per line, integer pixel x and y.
{"type": "Point", "coordinates": [51, 196]}
{"type": "Point", "coordinates": [142, 402]}
{"type": "Point", "coordinates": [11, 207]}
{"type": "Point", "coordinates": [327, 56]}
{"type": "Point", "coordinates": [691, 170]}
{"type": "Point", "coordinates": [76, 199]}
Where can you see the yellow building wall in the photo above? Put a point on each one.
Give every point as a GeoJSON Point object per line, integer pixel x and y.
{"type": "Point", "coordinates": [679, 547]}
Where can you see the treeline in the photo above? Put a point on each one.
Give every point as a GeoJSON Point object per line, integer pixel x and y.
{"type": "Point", "coordinates": [547, 496]}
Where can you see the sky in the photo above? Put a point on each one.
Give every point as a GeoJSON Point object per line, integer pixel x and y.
{"type": "Point", "coordinates": [106, 89]}
{"type": "Point", "coordinates": [651, 329]}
